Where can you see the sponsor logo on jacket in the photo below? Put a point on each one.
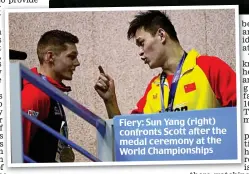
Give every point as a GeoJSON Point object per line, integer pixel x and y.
{"type": "Point", "coordinates": [33, 113]}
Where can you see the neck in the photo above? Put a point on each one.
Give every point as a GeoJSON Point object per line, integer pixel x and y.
{"type": "Point", "coordinates": [174, 55]}
{"type": "Point", "coordinates": [46, 71]}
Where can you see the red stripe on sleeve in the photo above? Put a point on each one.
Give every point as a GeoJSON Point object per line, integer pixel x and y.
{"type": "Point", "coordinates": [221, 77]}
{"type": "Point", "coordinates": [141, 103]}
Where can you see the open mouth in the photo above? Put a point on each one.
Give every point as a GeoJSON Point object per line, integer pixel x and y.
{"type": "Point", "coordinates": [146, 61]}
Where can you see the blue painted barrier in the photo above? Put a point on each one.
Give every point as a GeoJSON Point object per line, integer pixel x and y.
{"type": "Point", "coordinates": [59, 136]}
{"type": "Point", "coordinates": [27, 159]}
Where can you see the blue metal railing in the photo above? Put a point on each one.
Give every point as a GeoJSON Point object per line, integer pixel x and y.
{"type": "Point", "coordinates": [27, 159]}
{"type": "Point", "coordinates": [59, 136]}
{"type": "Point", "coordinates": [71, 104]}
{"type": "Point", "coordinates": [58, 95]}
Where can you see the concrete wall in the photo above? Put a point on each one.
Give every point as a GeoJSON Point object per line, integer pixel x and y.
{"type": "Point", "coordinates": [103, 42]}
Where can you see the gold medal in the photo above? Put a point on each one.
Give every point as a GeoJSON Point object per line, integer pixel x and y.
{"type": "Point", "coordinates": [67, 155]}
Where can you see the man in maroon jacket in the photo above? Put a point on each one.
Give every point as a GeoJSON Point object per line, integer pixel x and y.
{"type": "Point", "coordinates": [57, 54]}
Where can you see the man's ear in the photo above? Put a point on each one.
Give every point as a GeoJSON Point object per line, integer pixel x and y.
{"type": "Point", "coordinates": [163, 35]}
{"type": "Point", "coordinates": [49, 57]}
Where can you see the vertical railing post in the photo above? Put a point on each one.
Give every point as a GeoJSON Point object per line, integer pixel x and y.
{"type": "Point", "coordinates": [15, 114]}
{"type": "Point", "coordinates": [105, 144]}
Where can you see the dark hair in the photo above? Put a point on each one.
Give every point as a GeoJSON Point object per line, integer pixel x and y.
{"type": "Point", "coordinates": [151, 21]}
{"type": "Point", "coordinates": [55, 41]}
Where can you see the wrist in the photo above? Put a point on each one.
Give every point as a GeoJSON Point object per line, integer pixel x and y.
{"type": "Point", "coordinates": [111, 101]}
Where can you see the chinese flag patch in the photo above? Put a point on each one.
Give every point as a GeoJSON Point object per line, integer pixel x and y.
{"type": "Point", "coordinates": [189, 87]}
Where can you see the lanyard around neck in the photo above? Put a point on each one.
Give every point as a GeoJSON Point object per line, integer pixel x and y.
{"type": "Point", "coordinates": [173, 85]}
{"type": "Point", "coordinates": [64, 126]}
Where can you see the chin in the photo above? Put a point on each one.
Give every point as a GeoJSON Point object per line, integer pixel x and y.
{"type": "Point", "coordinates": [68, 78]}
{"type": "Point", "coordinates": [152, 66]}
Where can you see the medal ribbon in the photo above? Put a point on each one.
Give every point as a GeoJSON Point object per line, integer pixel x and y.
{"type": "Point", "coordinates": [173, 85]}
{"type": "Point", "coordinates": [64, 126]}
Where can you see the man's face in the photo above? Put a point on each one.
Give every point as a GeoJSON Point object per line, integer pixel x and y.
{"type": "Point", "coordinates": [66, 62]}
{"type": "Point", "coordinates": [151, 48]}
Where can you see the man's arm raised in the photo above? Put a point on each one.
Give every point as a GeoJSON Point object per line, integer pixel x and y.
{"type": "Point", "coordinates": [105, 87]}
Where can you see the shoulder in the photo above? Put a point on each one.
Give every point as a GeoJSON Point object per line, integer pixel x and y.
{"type": "Point", "coordinates": [35, 102]}
{"type": "Point", "coordinates": [214, 66]}
{"type": "Point", "coordinates": [211, 62]}
{"type": "Point", "coordinates": [31, 93]}
{"type": "Point", "coordinates": [155, 78]}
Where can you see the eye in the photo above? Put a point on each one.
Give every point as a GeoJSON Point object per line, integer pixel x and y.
{"type": "Point", "coordinates": [141, 43]}
{"type": "Point", "coordinates": [72, 57]}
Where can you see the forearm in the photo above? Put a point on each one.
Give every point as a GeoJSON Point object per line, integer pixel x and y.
{"type": "Point", "coordinates": [112, 108]}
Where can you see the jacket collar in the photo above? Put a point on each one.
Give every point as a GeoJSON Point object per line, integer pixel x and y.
{"type": "Point", "coordinates": [190, 61]}
{"type": "Point", "coordinates": [189, 64]}
{"type": "Point", "coordinates": [58, 85]}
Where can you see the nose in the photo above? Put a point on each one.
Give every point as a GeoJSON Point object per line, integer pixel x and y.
{"type": "Point", "coordinates": [141, 52]}
{"type": "Point", "coordinates": [76, 62]}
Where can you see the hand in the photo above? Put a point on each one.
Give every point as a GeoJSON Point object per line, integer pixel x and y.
{"type": "Point", "coordinates": [105, 88]}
